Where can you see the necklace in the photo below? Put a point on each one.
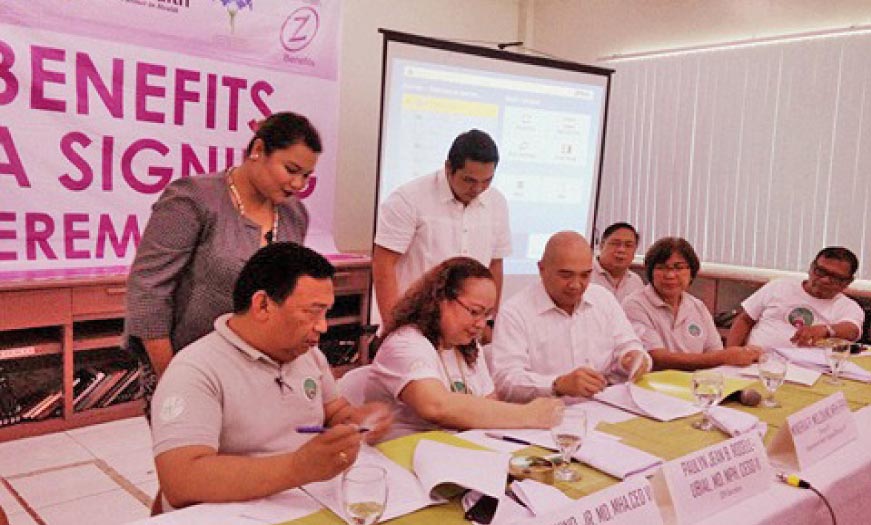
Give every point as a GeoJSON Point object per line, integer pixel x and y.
{"type": "Point", "coordinates": [464, 388]}
{"type": "Point", "coordinates": [271, 235]}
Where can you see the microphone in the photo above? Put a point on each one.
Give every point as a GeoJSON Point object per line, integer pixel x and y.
{"type": "Point", "coordinates": [281, 384]}
{"type": "Point", "coordinates": [747, 397]}
{"type": "Point", "coordinates": [793, 480]}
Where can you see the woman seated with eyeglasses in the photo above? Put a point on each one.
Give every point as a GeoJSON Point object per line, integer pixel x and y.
{"type": "Point", "coordinates": [429, 365]}
{"type": "Point", "coordinates": [675, 327]}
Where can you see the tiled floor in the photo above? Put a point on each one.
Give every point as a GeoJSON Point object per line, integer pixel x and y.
{"type": "Point", "coordinates": [99, 475]}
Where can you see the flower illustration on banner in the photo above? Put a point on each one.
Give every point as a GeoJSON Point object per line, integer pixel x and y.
{"type": "Point", "coordinates": [233, 7]}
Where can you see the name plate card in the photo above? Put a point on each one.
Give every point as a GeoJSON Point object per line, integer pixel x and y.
{"type": "Point", "coordinates": [628, 503]}
{"type": "Point", "coordinates": [698, 485]}
{"type": "Point", "coordinates": [814, 432]}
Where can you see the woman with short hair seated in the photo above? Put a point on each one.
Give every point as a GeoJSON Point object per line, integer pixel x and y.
{"type": "Point", "coordinates": [675, 327]}
{"type": "Point", "coordinates": [429, 365]}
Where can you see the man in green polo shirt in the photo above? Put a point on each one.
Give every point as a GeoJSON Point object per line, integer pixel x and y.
{"type": "Point", "coordinates": [227, 413]}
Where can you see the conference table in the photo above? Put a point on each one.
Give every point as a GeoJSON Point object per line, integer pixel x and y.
{"type": "Point", "coordinates": [844, 476]}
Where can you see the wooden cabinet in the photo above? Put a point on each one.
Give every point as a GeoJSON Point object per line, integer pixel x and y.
{"type": "Point", "coordinates": [46, 331]}
{"type": "Point", "coordinates": [50, 329]}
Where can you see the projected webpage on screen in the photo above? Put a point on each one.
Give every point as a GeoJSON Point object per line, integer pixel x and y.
{"type": "Point", "coordinates": [548, 132]}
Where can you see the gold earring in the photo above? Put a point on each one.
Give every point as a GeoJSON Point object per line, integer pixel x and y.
{"type": "Point", "coordinates": [254, 156]}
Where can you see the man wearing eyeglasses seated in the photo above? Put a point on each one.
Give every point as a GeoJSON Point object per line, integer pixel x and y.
{"type": "Point", "coordinates": [563, 336]}
{"type": "Point", "coordinates": [788, 312]}
{"type": "Point", "coordinates": [611, 267]}
{"type": "Point", "coordinates": [228, 416]}
{"type": "Point", "coordinates": [451, 212]}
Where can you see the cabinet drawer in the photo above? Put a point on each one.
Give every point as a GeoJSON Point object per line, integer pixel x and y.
{"type": "Point", "coordinates": [351, 280]}
{"type": "Point", "coordinates": [99, 299]}
{"type": "Point", "coordinates": [33, 308]}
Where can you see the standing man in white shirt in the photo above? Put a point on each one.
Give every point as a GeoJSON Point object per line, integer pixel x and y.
{"type": "Point", "coordinates": [611, 267]}
{"type": "Point", "coordinates": [789, 312]}
{"type": "Point", "coordinates": [562, 336]}
{"type": "Point", "coordinates": [448, 213]}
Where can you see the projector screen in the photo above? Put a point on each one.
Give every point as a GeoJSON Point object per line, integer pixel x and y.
{"type": "Point", "coordinates": [547, 117]}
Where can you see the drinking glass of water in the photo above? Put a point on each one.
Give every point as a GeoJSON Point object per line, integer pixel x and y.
{"type": "Point", "coordinates": [568, 434]}
{"type": "Point", "coordinates": [708, 389]}
{"type": "Point", "coordinates": [772, 372]}
{"type": "Point", "coordinates": [364, 494]}
{"type": "Point", "coordinates": [837, 355]}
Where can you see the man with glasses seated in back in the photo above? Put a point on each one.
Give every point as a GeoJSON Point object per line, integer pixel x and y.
{"type": "Point", "coordinates": [788, 312]}
{"type": "Point", "coordinates": [611, 267]}
{"type": "Point", "coordinates": [562, 336]}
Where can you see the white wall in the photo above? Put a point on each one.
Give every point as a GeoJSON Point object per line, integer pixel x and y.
{"type": "Point", "coordinates": [483, 20]}
{"type": "Point", "coordinates": [587, 30]}
{"type": "Point", "coordinates": [579, 30]}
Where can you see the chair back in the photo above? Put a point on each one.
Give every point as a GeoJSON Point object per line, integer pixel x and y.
{"type": "Point", "coordinates": [352, 385]}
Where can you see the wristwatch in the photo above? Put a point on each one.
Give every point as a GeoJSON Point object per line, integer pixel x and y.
{"type": "Point", "coordinates": [830, 330]}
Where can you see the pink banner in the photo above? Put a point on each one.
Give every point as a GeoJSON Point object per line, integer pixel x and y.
{"type": "Point", "coordinates": [98, 114]}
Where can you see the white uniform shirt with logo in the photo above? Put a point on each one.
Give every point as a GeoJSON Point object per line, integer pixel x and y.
{"type": "Point", "coordinates": [629, 284]}
{"type": "Point", "coordinates": [535, 341]}
{"type": "Point", "coordinates": [423, 221]}
{"type": "Point", "coordinates": [782, 305]}
{"type": "Point", "coordinates": [405, 356]}
{"type": "Point", "coordinates": [691, 331]}
{"type": "Point", "coordinates": [222, 393]}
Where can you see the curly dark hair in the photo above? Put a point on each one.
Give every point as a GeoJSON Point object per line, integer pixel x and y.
{"type": "Point", "coordinates": [421, 304]}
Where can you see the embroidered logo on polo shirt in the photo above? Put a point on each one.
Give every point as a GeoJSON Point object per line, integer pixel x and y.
{"type": "Point", "coordinates": [172, 407]}
{"type": "Point", "coordinates": [800, 316]}
{"type": "Point", "coordinates": [310, 387]}
{"type": "Point", "coordinates": [694, 330]}
{"type": "Point", "coordinates": [459, 387]}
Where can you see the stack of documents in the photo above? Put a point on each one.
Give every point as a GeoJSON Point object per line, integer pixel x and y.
{"type": "Point", "coordinates": [815, 358]}
{"type": "Point", "coordinates": [435, 464]}
{"type": "Point", "coordinates": [647, 403]}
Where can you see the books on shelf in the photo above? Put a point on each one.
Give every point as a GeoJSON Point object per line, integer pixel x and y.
{"type": "Point", "coordinates": [125, 390]}
{"type": "Point", "coordinates": [102, 386]}
{"type": "Point", "coordinates": [10, 406]}
{"type": "Point", "coordinates": [93, 387]}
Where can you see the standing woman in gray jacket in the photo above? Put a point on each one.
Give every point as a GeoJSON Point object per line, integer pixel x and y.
{"type": "Point", "coordinates": [201, 231]}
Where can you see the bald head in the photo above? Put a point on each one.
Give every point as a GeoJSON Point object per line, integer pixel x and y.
{"type": "Point", "coordinates": [565, 242]}
{"type": "Point", "coordinates": [565, 268]}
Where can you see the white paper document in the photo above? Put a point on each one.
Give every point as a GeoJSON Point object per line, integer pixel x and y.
{"type": "Point", "coordinates": [816, 358]}
{"type": "Point", "coordinates": [404, 492]}
{"type": "Point", "coordinates": [436, 463]}
{"type": "Point", "coordinates": [539, 497]}
{"type": "Point", "coordinates": [734, 422]}
{"type": "Point", "coordinates": [601, 452]}
{"type": "Point", "coordinates": [647, 403]}
{"type": "Point", "coordinates": [794, 373]}
{"type": "Point", "coordinates": [205, 514]}
{"type": "Point", "coordinates": [617, 459]}
{"type": "Point", "coordinates": [279, 508]}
